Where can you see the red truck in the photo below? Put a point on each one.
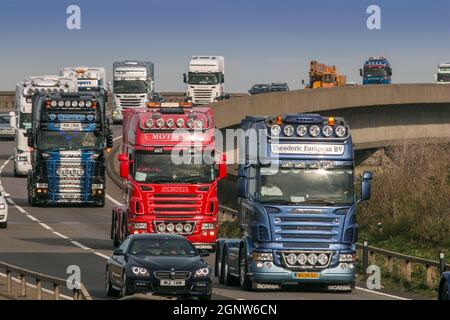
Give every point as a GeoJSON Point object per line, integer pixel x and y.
{"type": "Point", "coordinates": [170, 170]}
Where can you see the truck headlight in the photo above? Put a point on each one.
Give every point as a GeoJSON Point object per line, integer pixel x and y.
{"type": "Point", "coordinates": [139, 271]}
{"type": "Point", "coordinates": [347, 257]}
{"type": "Point", "coordinates": [262, 256]}
{"type": "Point", "coordinates": [208, 226]}
{"type": "Point", "coordinates": [203, 272]}
{"type": "Point", "coordinates": [140, 226]}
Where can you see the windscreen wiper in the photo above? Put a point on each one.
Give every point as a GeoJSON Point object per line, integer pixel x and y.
{"type": "Point", "coordinates": [319, 201]}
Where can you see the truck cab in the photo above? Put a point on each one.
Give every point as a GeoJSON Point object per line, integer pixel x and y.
{"type": "Point", "coordinates": [168, 162]}
{"type": "Point", "coordinates": [205, 79]}
{"type": "Point", "coordinates": [443, 74]}
{"type": "Point", "coordinates": [296, 206]}
{"type": "Point", "coordinates": [377, 70]}
{"type": "Point", "coordinates": [88, 78]}
{"type": "Point", "coordinates": [25, 90]}
{"type": "Point", "coordinates": [132, 86]}
{"type": "Point", "coordinates": [69, 137]}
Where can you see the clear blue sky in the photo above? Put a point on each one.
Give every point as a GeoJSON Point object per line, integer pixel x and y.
{"type": "Point", "coordinates": [262, 41]}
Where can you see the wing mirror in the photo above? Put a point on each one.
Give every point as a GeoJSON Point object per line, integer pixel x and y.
{"type": "Point", "coordinates": [118, 252]}
{"type": "Point", "coordinates": [203, 253]}
{"type": "Point", "coordinates": [124, 165]}
{"type": "Point", "coordinates": [184, 78]}
{"type": "Point", "coordinates": [366, 185]}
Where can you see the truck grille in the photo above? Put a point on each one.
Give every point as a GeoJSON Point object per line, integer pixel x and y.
{"type": "Point", "coordinates": [202, 96]}
{"type": "Point", "coordinates": [184, 228]}
{"type": "Point", "coordinates": [306, 229]}
{"type": "Point", "coordinates": [135, 102]}
{"type": "Point", "coordinates": [176, 204]}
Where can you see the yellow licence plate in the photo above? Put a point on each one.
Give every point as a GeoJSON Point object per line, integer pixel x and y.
{"type": "Point", "coordinates": [306, 275]}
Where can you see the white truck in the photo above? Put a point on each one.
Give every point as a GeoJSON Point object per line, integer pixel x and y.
{"type": "Point", "coordinates": [205, 79]}
{"type": "Point", "coordinates": [132, 87]}
{"type": "Point", "coordinates": [89, 78]}
{"type": "Point", "coordinates": [443, 74]}
{"type": "Point", "coordinates": [23, 102]}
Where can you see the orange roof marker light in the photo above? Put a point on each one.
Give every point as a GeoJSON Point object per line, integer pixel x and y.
{"type": "Point", "coordinates": [185, 104]}
{"type": "Point", "coordinates": [153, 104]}
{"type": "Point", "coordinates": [331, 121]}
{"type": "Point", "coordinates": [279, 120]}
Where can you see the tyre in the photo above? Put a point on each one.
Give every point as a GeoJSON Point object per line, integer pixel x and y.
{"type": "Point", "coordinates": [244, 279]}
{"type": "Point", "coordinates": [125, 292]}
{"type": "Point", "coordinates": [219, 268]}
{"type": "Point", "coordinates": [443, 293]}
{"type": "Point", "coordinates": [3, 225]}
{"type": "Point", "coordinates": [110, 291]}
{"type": "Point", "coordinates": [228, 280]}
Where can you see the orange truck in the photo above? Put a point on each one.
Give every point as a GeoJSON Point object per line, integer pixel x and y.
{"type": "Point", "coordinates": [324, 76]}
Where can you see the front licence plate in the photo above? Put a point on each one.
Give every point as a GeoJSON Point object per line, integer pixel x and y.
{"type": "Point", "coordinates": [172, 283]}
{"type": "Point", "coordinates": [306, 275]}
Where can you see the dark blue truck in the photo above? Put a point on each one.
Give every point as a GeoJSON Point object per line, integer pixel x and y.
{"type": "Point", "coordinates": [69, 136]}
{"type": "Point", "coordinates": [296, 206]}
{"type": "Point", "coordinates": [377, 70]}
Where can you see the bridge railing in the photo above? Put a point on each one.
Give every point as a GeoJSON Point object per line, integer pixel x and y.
{"type": "Point", "coordinates": [432, 268]}
{"type": "Point", "coordinates": [24, 275]}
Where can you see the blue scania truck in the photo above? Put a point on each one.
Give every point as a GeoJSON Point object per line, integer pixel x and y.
{"type": "Point", "coordinates": [69, 137]}
{"type": "Point", "coordinates": [377, 70]}
{"type": "Point", "coordinates": [296, 205]}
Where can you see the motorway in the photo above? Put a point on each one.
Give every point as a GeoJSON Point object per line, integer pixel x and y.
{"type": "Point", "coordinates": [48, 240]}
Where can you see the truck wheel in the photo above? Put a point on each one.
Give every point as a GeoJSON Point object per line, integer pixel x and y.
{"type": "Point", "coordinates": [3, 225]}
{"type": "Point", "coordinates": [443, 294]}
{"type": "Point", "coordinates": [244, 280]}
{"type": "Point", "coordinates": [219, 267]}
{"type": "Point", "coordinates": [228, 280]}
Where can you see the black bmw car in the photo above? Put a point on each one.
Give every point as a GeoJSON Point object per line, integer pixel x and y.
{"type": "Point", "coordinates": [166, 265]}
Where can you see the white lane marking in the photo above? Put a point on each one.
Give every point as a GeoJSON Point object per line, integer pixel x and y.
{"type": "Point", "coordinates": [60, 235]}
{"type": "Point", "coordinates": [117, 203]}
{"type": "Point", "coordinates": [34, 287]}
{"type": "Point", "coordinates": [79, 245]}
{"type": "Point", "coordinates": [101, 255]}
{"type": "Point", "coordinates": [45, 226]}
{"type": "Point", "coordinates": [381, 293]}
{"type": "Point", "coordinates": [117, 138]}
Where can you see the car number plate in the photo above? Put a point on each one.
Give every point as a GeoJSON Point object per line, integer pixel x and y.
{"type": "Point", "coordinates": [306, 275]}
{"type": "Point", "coordinates": [172, 283]}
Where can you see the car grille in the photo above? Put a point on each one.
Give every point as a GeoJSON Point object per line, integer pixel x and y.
{"type": "Point", "coordinates": [172, 275]}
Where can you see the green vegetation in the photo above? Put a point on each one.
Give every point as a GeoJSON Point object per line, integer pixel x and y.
{"type": "Point", "coordinates": [410, 207]}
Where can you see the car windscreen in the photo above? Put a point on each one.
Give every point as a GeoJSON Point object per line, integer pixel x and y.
{"type": "Point", "coordinates": [162, 247]}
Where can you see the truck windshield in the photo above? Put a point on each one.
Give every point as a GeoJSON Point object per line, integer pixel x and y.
{"type": "Point", "coordinates": [25, 120]}
{"type": "Point", "coordinates": [72, 140]}
{"type": "Point", "coordinates": [5, 119]}
{"type": "Point", "coordinates": [306, 185]}
{"type": "Point", "coordinates": [204, 78]}
{"type": "Point", "coordinates": [375, 72]}
{"type": "Point", "coordinates": [443, 77]}
{"type": "Point", "coordinates": [130, 86]}
{"type": "Point", "coordinates": [150, 167]}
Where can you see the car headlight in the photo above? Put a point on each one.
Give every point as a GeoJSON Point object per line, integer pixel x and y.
{"type": "Point", "coordinates": [2, 206]}
{"type": "Point", "coordinates": [262, 256]}
{"type": "Point", "coordinates": [203, 272]}
{"type": "Point", "coordinates": [139, 271]}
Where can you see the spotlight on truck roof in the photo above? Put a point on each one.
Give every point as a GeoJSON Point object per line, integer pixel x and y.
{"type": "Point", "coordinates": [180, 122]}
{"type": "Point", "coordinates": [275, 130]}
{"type": "Point", "coordinates": [341, 131]}
{"type": "Point", "coordinates": [327, 131]}
{"type": "Point", "coordinates": [288, 130]}
{"type": "Point", "coordinates": [314, 131]}
{"type": "Point", "coordinates": [149, 122]}
{"type": "Point", "coordinates": [170, 122]}
{"type": "Point", "coordinates": [302, 130]}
